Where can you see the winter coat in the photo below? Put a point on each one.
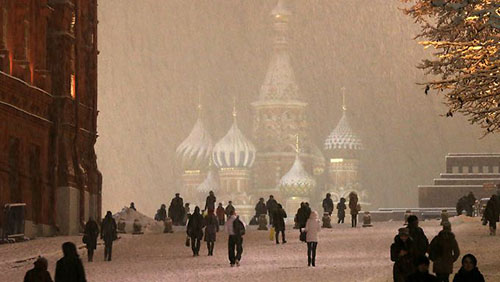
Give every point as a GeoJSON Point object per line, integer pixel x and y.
{"type": "Point", "coordinates": [420, 240]}
{"type": "Point", "coordinates": [341, 207]}
{"type": "Point", "coordinates": [38, 274]}
{"type": "Point", "coordinates": [161, 214]}
{"type": "Point", "coordinates": [176, 209]}
{"type": "Point", "coordinates": [422, 277]}
{"type": "Point", "coordinates": [491, 212]}
{"type": "Point", "coordinates": [303, 213]}
{"type": "Point", "coordinates": [271, 206]}
{"type": "Point", "coordinates": [468, 276]}
{"type": "Point", "coordinates": [220, 213]}
{"type": "Point", "coordinates": [312, 228]}
{"type": "Point", "coordinates": [70, 269]}
{"type": "Point", "coordinates": [108, 230]}
{"type": "Point", "coordinates": [195, 226]}
{"type": "Point", "coordinates": [260, 208]}
{"type": "Point", "coordinates": [444, 251]}
{"type": "Point", "coordinates": [328, 205]}
{"type": "Point", "coordinates": [229, 209]}
{"type": "Point", "coordinates": [212, 227]}
{"type": "Point", "coordinates": [279, 220]}
{"type": "Point", "coordinates": [91, 233]}
{"type": "Point", "coordinates": [404, 265]}
{"type": "Point", "coordinates": [353, 203]}
{"type": "Point", "coordinates": [210, 203]}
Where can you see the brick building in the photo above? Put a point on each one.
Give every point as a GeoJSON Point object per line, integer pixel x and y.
{"type": "Point", "coordinates": [48, 112]}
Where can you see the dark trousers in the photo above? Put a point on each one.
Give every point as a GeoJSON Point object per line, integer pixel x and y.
{"type": "Point", "coordinates": [271, 218]}
{"type": "Point", "coordinates": [311, 253]}
{"type": "Point", "coordinates": [341, 220]}
{"type": "Point", "coordinates": [443, 277]}
{"type": "Point", "coordinates": [354, 220]}
{"type": "Point", "coordinates": [235, 242]}
{"type": "Point", "coordinates": [282, 236]}
{"type": "Point", "coordinates": [210, 247]}
{"type": "Point", "coordinates": [108, 248]}
{"type": "Point", "coordinates": [221, 221]}
{"type": "Point", "coordinates": [90, 254]}
{"type": "Point", "coordinates": [195, 245]}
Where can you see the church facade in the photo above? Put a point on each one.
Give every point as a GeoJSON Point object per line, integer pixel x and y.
{"type": "Point", "coordinates": [48, 113]}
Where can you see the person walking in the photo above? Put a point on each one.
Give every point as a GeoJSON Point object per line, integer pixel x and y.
{"type": "Point", "coordinates": [195, 230]}
{"type": "Point", "coordinates": [422, 273]}
{"type": "Point", "coordinates": [235, 228]}
{"type": "Point", "coordinates": [341, 207]}
{"type": "Point", "coordinates": [355, 207]}
{"type": "Point", "coordinates": [312, 228]}
{"type": "Point", "coordinates": [444, 251]}
{"type": "Point", "coordinates": [221, 214]}
{"type": "Point", "coordinates": [403, 255]}
{"type": "Point", "coordinates": [303, 213]}
{"type": "Point", "coordinates": [229, 209]}
{"type": "Point", "coordinates": [108, 234]}
{"type": "Point", "coordinates": [210, 201]}
{"type": "Point", "coordinates": [418, 236]}
{"type": "Point", "coordinates": [39, 272]}
{"type": "Point", "coordinates": [491, 213]}
{"type": "Point", "coordinates": [69, 268]}
{"type": "Point", "coordinates": [91, 233]}
{"type": "Point", "coordinates": [469, 271]}
{"type": "Point", "coordinates": [271, 206]}
{"type": "Point", "coordinates": [211, 229]}
{"type": "Point", "coordinates": [279, 223]}
{"type": "Point", "coordinates": [328, 204]}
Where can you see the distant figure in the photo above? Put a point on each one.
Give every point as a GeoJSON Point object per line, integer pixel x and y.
{"type": "Point", "coordinates": [260, 208]}
{"type": "Point", "coordinates": [418, 236]}
{"type": "Point", "coordinates": [312, 228]}
{"type": "Point", "coordinates": [444, 251]}
{"type": "Point", "coordinates": [229, 208]}
{"type": "Point", "coordinates": [341, 207]}
{"type": "Point", "coordinates": [462, 205]}
{"type": "Point", "coordinates": [422, 272]}
{"type": "Point", "coordinates": [444, 217]}
{"type": "Point", "coordinates": [471, 200]}
{"type": "Point", "coordinates": [271, 206]}
{"type": "Point", "coordinates": [221, 214]}
{"type": "Point", "coordinates": [108, 234]}
{"type": "Point", "coordinates": [469, 271]}
{"type": "Point", "coordinates": [328, 204]}
{"type": "Point", "coordinates": [161, 214]}
{"type": "Point", "coordinates": [354, 207]}
{"type": "Point", "coordinates": [70, 268]}
{"type": "Point", "coordinates": [491, 214]}
{"type": "Point", "coordinates": [235, 228]}
{"type": "Point", "coordinates": [403, 255]}
{"type": "Point", "coordinates": [210, 202]}
{"type": "Point", "coordinates": [39, 272]}
{"type": "Point", "coordinates": [91, 233]}
{"type": "Point", "coordinates": [279, 223]}
{"type": "Point", "coordinates": [176, 210]}
{"type": "Point", "coordinates": [211, 229]}
{"type": "Point", "coordinates": [132, 206]}
{"type": "Point", "coordinates": [195, 230]}
{"type": "Point", "coordinates": [303, 214]}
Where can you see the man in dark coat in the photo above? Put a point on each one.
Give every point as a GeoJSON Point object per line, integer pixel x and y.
{"type": "Point", "coordinates": [70, 268]}
{"type": "Point", "coordinates": [221, 214]}
{"type": "Point", "coordinates": [91, 233]}
{"type": "Point", "coordinates": [341, 207]}
{"type": "Point", "coordinates": [328, 204]}
{"type": "Point", "coordinates": [303, 214]}
{"type": "Point", "coordinates": [210, 201]}
{"type": "Point", "coordinates": [229, 208]}
{"type": "Point", "coordinates": [471, 200]}
{"type": "Point", "coordinates": [161, 214]}
{"type": "Point", "coordinates": [176, 209]}
{"type": "Point", "coordinates": [108, 234]}
{"type": "Point", "coordinates": [403, 255]}
{"type": "Point", "coordinates": [260, 208]}
{"type": "Point", "coordinates": [132, 206]}
{"type": "Point", "coordinates": [279, 223]}
{"type": "Point", "coordinates": [271, 206]}
{"type": "Point", "coordinates": [491, 214]}
{"type": "Point", "coordinates": [444, 251]}
{"type": "Point", "coordinates": [422, 273]}
{"type": "Point", "coordinates": [39, 272]}
{"type": "Point", "coordinates": [195, 230]}
{"type": "Point", "coordinates": [418, 236]}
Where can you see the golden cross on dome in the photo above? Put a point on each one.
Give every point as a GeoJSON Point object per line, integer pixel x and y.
{"type": "Point", "coordinates": [343, 98]}
{"type": "Point", "coordinates": [297, 148]}
{"type": "Point", "coordinates": [199, 101]}
{"type": "Point", "coordinates": [234, 107]}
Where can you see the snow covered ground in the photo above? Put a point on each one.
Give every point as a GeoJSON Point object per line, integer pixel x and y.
{"type": "Point", "coordinates": [344, 254]}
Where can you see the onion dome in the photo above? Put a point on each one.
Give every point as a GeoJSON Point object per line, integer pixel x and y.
{"type": "Point", "coordinates": [297, 182]}
{"type": "Point", "coordinates": [211, 183]}
{"type": "Point", "coordinates": [195, 151]}
{"type": "Point", "coordinates": [343, 137]}
{"type": "Point", "coordinates": [234, 149]}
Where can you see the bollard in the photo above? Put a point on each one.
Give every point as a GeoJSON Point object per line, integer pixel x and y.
{"type": "Point", "coordinates": [367, 219]}
{"type": "Point", "coordinates": [326, 221]}
{"type": "Point", "coordinates": [120, 227]}
{"type": "Point", "coordinates": [262, 222]}
{"type": "Point", "coordinates": [137, 227]}
{"type": "Point", "coordinates": [168, 226]}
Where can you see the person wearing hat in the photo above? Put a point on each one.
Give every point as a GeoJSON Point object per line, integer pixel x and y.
{"type": "Point", "coordinates": [39, 272]}
{"type": "Point", "coordinates": [418, 236]}
{"type": "Point", "coordinates": [444, 251]}
{"type": "Point", "coordinates": [403, 255]}
{"type": "Point", "coordinates": [422, 272]}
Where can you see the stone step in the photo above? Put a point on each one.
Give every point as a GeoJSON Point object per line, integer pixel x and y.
{"type": "Point", "coordinates": [470, 175]}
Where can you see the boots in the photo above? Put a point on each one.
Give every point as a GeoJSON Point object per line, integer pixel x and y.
{"type": "Point", "coordinates": [308, 261]}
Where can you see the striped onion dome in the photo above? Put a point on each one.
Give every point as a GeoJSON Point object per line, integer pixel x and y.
{"type": "Point", "coordinates": [234, 149]}
{"type": "Point", "coordinates": [297, 182]}
{"type": "Point", "coordinates": [343, 137]}
{"type": "Point", "coordinates": [195, 151]}
{"type": "Point", "coordinates": [211, 183]}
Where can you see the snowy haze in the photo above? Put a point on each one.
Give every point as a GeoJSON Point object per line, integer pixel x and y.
{"type": "Point", "coordinates": [155, 54]}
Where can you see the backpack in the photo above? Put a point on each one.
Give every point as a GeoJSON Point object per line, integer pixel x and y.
{"type": "Point", "coordinates": [238, 227]}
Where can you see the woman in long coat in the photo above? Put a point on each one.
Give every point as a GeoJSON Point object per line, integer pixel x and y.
{"type": "Point", "coordinates": [355, 207]}
{"type": "Point", "coordinates": [312, 228]}
{"type": "Point", "coordinates": [195, 230]}
{"type": "Point", "coordinates": [444, 251]}
{"type": "Point", "coordinates": [279, 223]}
{"type": "Point", "coordinates": [211, 229]}
{"type": "Point", "coordinates": [90, 237]}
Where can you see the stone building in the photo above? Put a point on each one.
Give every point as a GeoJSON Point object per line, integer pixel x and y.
{"type": "Point", "coordinates": [48, 113]}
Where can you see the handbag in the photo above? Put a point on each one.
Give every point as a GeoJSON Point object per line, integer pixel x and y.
{"type": "Point", "coordinates": [303, 236]}
{"type": "Point", "coordinates": [85, 239]}
{"type": "Point", "coordinates": [187, 241]}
